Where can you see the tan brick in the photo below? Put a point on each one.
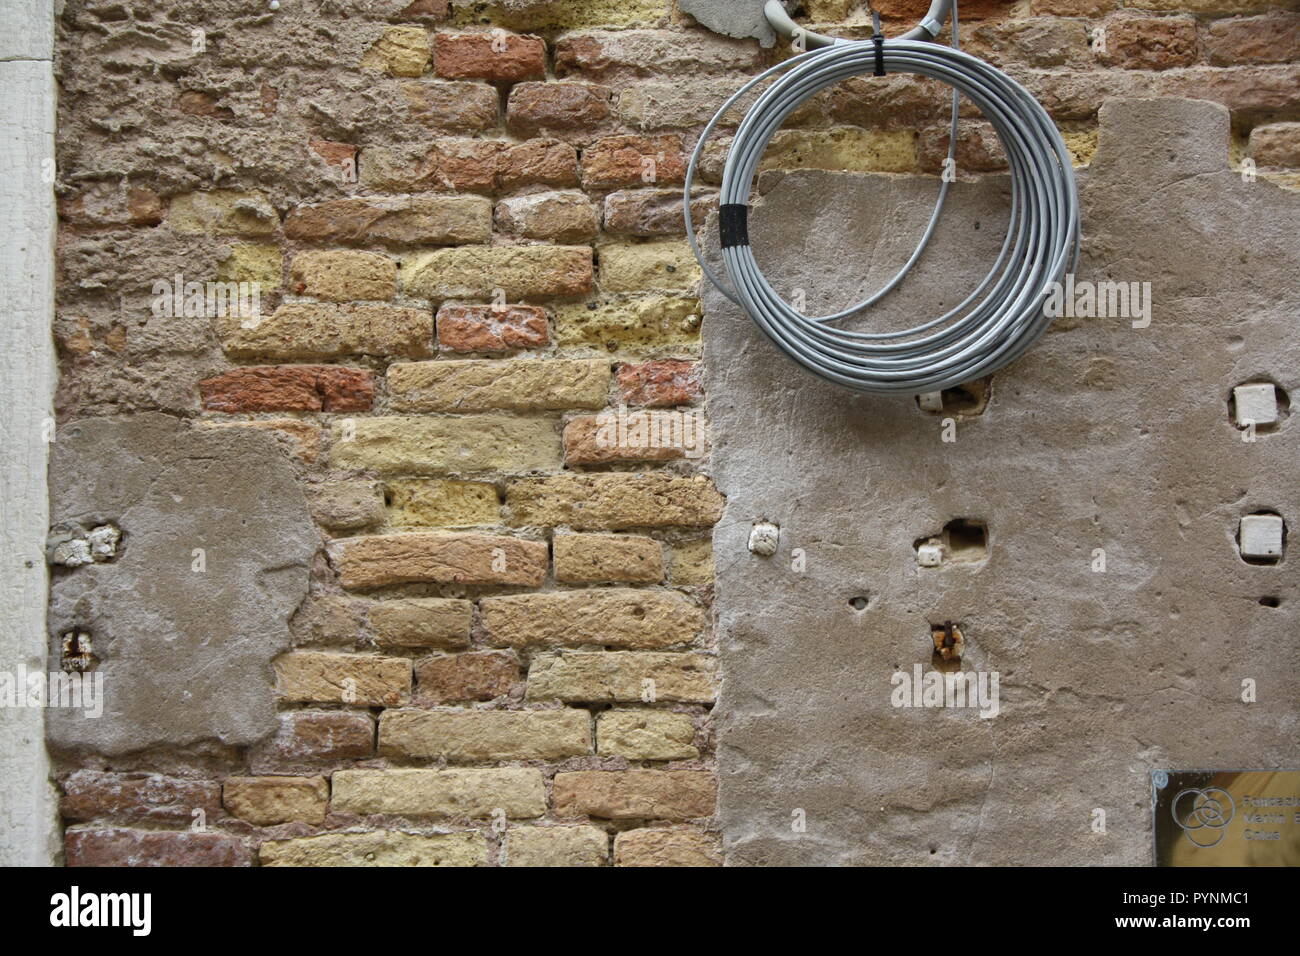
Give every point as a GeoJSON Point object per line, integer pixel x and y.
{"type": "Point", "coordinates": [978, 148]}
{"type": "Point", "coordinates": [631, 54]}
{"type": "Point", "coordinates": [660, 383]}
{"type": "Point", "coordinates": [136, 798]}
{"type": "Point", "coordinates": [401, 51]}
{"type": "Point", "coordinates": [314, 738]}
{"type": "Point", "coordinates": [842, 148]}
{"type": "Point", "coordinates": [355, 679]}
{"type": "Point", "coordinates": [556, 216]}
{"type": "Point", "coordinates": [223, 212]}
{"type": "Point", "coordinates": [446, 165]}
{"type": "Point", "coordinates": [519, 792]}
{"type": "Point", "coordinates": [680, 102]}
{"type": "Point", "coordinates": [636, 794]}
{"type": "Point", "coordinates": [461, 445]}
{"type": "Point", "coordinates": [404, 220]}
{"type": "Point", "coordinates": [473, 385]}
{"type": "Point", "coordinates": [556, 846]}
{"type": "Point", "coordinates": [653, 212]}
{"type": "Point", "coordinates": [260, 262]}
{"type": "Point", "coordinates": [308, 330]}
{"type": "Point", "coordinates": [1276, 144]}
{"type": "Point", "coordinates": [422, 622]}
{"type": "Point", "coordinates": [329, 619]}
{"type": "Point", "coordinates": [489, 328]}
{"type": "Point", "coordinates": [605, 558]}
{"type": "Point", "coordinates": [1225, 7]}
{"type": "Point", "coordinates": [609, 676]}
{"type": "Point", "coordinates": [613, 502]}
{"type": "Point", "coordinates": [612, 617]}
{"type": "Point", "coordinates": [1272, 38]}
{"type": "Point", "coordinates": [671, 846]}
{"type": "Point", "coordinates": [377, 560]}
{"type": "Point", "coordinates": [480, 736]}
{"type": "Point", "coordinates": [115, 846]}
{"type": "Point", "coordinates": [283, 388]}
{"type": "Point", "coordinates": [618, 324]}
{"type": "Point", "coordinates": [522, 272]}
{"type": "Point", "coordinates": [556, 15]}
{"type": "Point", "coordinates": [344, 276]}
{"type": "Point", "coordinates": [616, 162]}
{"type": "Point", "coordinates": [347, 505]}
{"type": "Point", "coordinates": [571, 111]}
{"type": "Point", "coordinates": [693, 563]}
{"type": "Point", "coordinates": [377, 848]}
{"type": "Point", "coordinates": [537, 162]}
{"type": "Point", "coordinates": [266, 801]}
{"type": "Point", "coordinates": [646, 735]}
{"type": "Point", "coordinates": [500, 58]}
{"type": "Point", "coordinates": [663, 266]}
{"type": "Point", "coordinates": [298, 439]}
{"type": "Point", "coordinates": [452, 107]}
{"type": "Point", "coordinates": [431, 502]}
{"type": "Point", "coordinates": [645, 435]}
{"type": "Point", "coordinates": [475, 676]}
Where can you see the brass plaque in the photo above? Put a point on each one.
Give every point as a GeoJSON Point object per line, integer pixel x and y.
{"type": "Point", "coordinates": [1226, 817]}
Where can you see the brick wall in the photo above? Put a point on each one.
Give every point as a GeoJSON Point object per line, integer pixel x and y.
{"type": "Point", "coordinates": [465, 225]}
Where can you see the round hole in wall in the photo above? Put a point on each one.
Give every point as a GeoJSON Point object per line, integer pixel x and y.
{"type": "Point", "coordinates": [1270, 601]}
{"type": "Point", "coordinates": [860, 603]}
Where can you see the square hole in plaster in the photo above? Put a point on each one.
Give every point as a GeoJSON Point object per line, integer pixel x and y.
{"type": "Point", "coordinates": [969, 398]}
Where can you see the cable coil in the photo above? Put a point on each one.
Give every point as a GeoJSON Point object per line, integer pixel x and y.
{"type": "Point", "coordinates": [995, 323]}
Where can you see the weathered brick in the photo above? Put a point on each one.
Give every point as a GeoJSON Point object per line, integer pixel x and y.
{"type": "Point", "coordinates": [297, 439]}
{"type": "Point", "coordinates": [556, 846]}
{"type": "Point", "coordinates": [136, 798]}
{"type": "Point", "coordinates": [522, 272]}
{"type": "Point", "coordinates": [653, 212]}
{"type": "Point", "coordinates": [646, 735]}
{"type": "Point", "coordinates": [842, 148]}
{"type": "Point", "coordinates": [313, 738]}
{"type": "Point", "coordinates": [460, 445]}
{"type": "Point", "coordinates": [978, 148]}
{"type": "Point", "coordinates": [1272, 38]}
{"type": "Point", "coordinates": [606, 558]}
{"type": "Point", "coordinates": [618, 324]}
{"type": "Point", "coordinates": [557, 216]}
{"type": "Point", "coordinates": [659, 384]}
{"type": "Point", "coordinates": [574, 112]}
{"type": "Point", "coordinates": [479, 736]}
{"type": "Point", "coordinates": [284, 388]}
{"type": "Point", "coordinates": [473, 385]}
{"type": "Point", "coordinates": [659, 266]}
{"type": "Point", "coordinates": [615, 676]}
{"type": "Point", "coordinates": [616, 162]}
{"type": "Point", "coordinates": [111, 205]}
{"type": "Point", "coordinates": [446, 165]}
{"type": "Point", "coordinates": [260, 262]}
{"type": "Point", "coordinates": [475, 676]}
{"type": "Point", "coordinates": [681, 102]}
{"type": "Point", "coordinates": [636, 794]}
{"type": "Point", "coordinates": [612, 617]}
{"type": "Point", "coordinates": [431, 10]}
{"type": "Point", "coordinates": [355, 679]}
{"type": "Point", "coordinates": [537, 162]}
{"type": "Point", "coordinates": [1072, 8]}
{"type": "Point", "coordinates": [644, 436]}
{"type": "Point", "coordinates": [310, 330]}
{"type": "Point", "coordinates": [670, 846]}
{"type": "Point", "coordinates": [498, 57]}
{"type": "Point", "coordinates": [915, 9]}
{"type": "Point", "coordinates": [1223, 7]}
{"type": "Point", "coordinates": [693, 563]}
{"type": "Point", "coordinates": [613, 502]}
{"type": "Point", "coordinates": [347, 505]}
{"type": "Point", "coordinates": [329, 620]}
{"type": "Point", "coordinates": [415, 220]}
{"type": "Point", "coordinates": [519, 792]}
{"type": "Point", "coordinates": [340, 155]}
{"type": "Point", "coordinates": [556, 15]}
{"type": "Point", "coordinates": [1030, 41]}
{"type": "Point", "coordinates": [222, 212]}
{"type": "Point", "coordinates": [401, 51]}
{"type": "Point", "coordinates": [489, 328]}
{"type": "Point", "coordinates": [888, 101]}
{"type": "Point", "coordinates": [119, 847]}
{"type": "Point", "coordinates": [1137, 42]}
{"type": "Point", "coordinates": [343, 276]}
{"type": "Point", "coordinates": [377, 848]}
{"type": "Point", "coordinates": [266, 801]}
{"type": "Point", "coordinates": [1276, 144]}
{"type": "Point", "coordinates": [630, 54]}
{"type": "Point", "coordinates": [422, 622]}
{"type": "Point", "coordinates": [440, 558]}
{"type": "Point", "coordinates": [442, 503]}
{"type": "Point", "coordinates": [440, 106]}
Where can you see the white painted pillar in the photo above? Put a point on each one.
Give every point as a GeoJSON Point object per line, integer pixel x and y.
{"type": "Point", "coordinates": [28, 826]}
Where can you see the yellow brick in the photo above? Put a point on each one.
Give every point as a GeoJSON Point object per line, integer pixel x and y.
{"type": "Point", "coordinates": [266, 801]}
{"type": "Point", "coordinates": [314, 330]}
{"type": "Point", "coordinates": [607, 676]}
{"type": "Point", "coordinates": [474, 385]}
{"type": "Point", "coordinates": [223, 212]}
{"type": "Point", "coordinates": [432, 502]}
{"type": "Point", "coordinates": [666, 846]}
{"type": "Point", "coordinates": [628, 618]}
{"type": "Point", "coordinates": [521, 272]}
{"type": "Point", "coordinates": [401, 51]}
{"type": "Point", "coordinates": [422, 622]}
{"type": "Point", "coordinates": [648, 266]}
{"type": "Point", "coordinates": [344, 276]}
{"type": "Point", "coordinates": [1082, 144]}
{"type": "Point", "coordinates": [480, 736]}
{"type": "Point", "coordinates": [693, 563]}
{"type": "Point", "coordinates": [564, 14]}
{"type": "Point", "coordinates": [646, 735]}
{"type": "Point", "coordinates": [636, 794]}
{"type": "Point", "coordinates": [519, 792]}
{"type": "Point", "coordinates": [848, 148]}
{"type": "Point", "coordinates": [354, 679]}
{"type": "Point", "coordinates": [460, 445]}
{"type": "Point", "coordinates": [615, 324]}
{"type": "Point", "coordinates": [605, 558]}
{"type": "Point", "coordinates": [556, 846]}
{"type": "Point", "coordinates": [258, 262]}
{"type": "Point", "coordinates": [377, 848]}
{"type": "Point", "coordinates": [613, 502]}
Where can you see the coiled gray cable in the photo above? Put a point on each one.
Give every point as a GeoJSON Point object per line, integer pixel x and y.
{"type": "Point", "coordinates": [995, 323]}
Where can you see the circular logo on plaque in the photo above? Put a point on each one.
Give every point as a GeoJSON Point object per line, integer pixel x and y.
{"type": "Point", "coordinates": [1203, 815]}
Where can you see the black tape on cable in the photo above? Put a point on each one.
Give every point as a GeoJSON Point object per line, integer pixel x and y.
{"type": "Point", "coordinates": [878, 39]}
{"type": "Point", "coordinates": [733, 224]}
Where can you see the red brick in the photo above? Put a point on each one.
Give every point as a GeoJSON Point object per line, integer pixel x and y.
{"type": "Point", "coordinates": [573, 111]}
{"type": "Point", "coordinates": [343, 155]}
{"type": "Point", "coordinates": [106, 205]}
{"type": "Point", "coordinates": [200, 103]}
{"type": "Point", "coordinates": [537, 162]}
{"type": "Point", "coordinates": [479, 675]}
{"type": "Point", "coordinates": [463, 56]}
{"type": "Point", "coordinates": [441, 558]}
{"type": "Point", "coordinates": [310, 738]}
{"type": "Point", "coordinates": [1272, 38]}
{"type": "Point", "coordinates": [489, 328]}
{"type": "Point", "coordinates": [1149, 43]}
{"type": "Point", "coordinates": [659, 384]}
{"type": "Point", "coordinates": [615, 162]}
{"type": "Point", "coordinates": [289, 388]}
{"type": "Point", "coordinates": [137, 798]}
{"type": "Point", "coordinates": [119, 847]}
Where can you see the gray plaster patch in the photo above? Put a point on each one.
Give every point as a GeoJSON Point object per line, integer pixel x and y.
{"type": "Point", "coordinates": [1102, 437]}
{"type": "Point", "coordinates": [733, 18]}
{"type": "Point", "coordinates": [185, 653]}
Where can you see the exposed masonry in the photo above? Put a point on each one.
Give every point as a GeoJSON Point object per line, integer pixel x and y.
{"type": "Point", "coordinates": [463, 224]}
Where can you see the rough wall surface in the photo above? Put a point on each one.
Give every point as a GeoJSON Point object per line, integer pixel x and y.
{"type": "Point", "coordinates": [463, 226]}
